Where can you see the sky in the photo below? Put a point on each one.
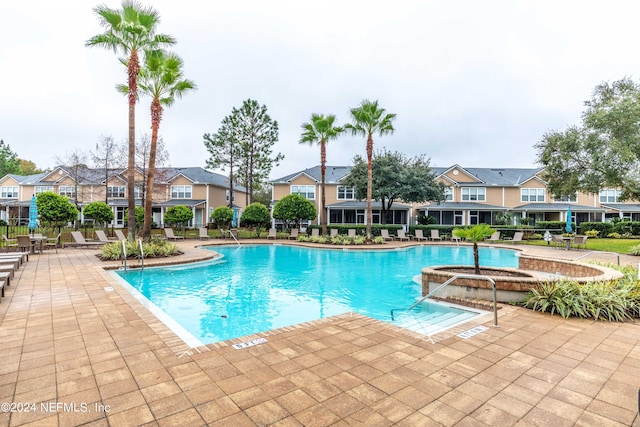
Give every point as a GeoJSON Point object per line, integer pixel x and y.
{"type": "Point", "coordinates": [472, 83]}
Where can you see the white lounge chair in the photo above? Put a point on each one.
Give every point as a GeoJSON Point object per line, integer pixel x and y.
{"type": "Point", "coordinates": [419, 235]}
{"type": "Point", "coordinates": [169, 233]}
{"type": "Point", "coordinates": [351, 232]}
{"type": "Point", "coordinates": [402, 236]}
{"type": "Point", "coordinates": [315, 232]}
{"type": "Point", "coordinates": [294, 234]}
{"type": "Point", "coordinates": [102, 236]}
{"type": "Point", "coordinates": [203, 233]}
{"type": "Point", "coordinates": [79, 241]}
{"type": "Point", "coordinates": [495, 237]}
{"type": "Point", "coordinates": [272, 234]}
{"type": "Point", "coordinates": [435, 235]}
{"type": "Point", "coordinates": [119, 234]}
{"type": "Point", "coordinates": [385, 234]}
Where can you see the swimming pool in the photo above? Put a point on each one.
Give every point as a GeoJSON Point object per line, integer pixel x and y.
{"type": "Point", "coordinates": [256, 288]}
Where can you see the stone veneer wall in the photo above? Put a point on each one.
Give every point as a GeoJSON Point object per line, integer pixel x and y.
{"type": "Point", "coordinates": [565, 268]}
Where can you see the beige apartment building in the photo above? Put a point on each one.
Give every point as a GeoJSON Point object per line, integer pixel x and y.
{"type": "Point", "coordinates": [196, 188]}
{"type": "Point", "coordinates": [472, 196]}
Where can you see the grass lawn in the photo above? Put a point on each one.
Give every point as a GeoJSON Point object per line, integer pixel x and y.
{"type": "Point", "coordinates": [621, 246]}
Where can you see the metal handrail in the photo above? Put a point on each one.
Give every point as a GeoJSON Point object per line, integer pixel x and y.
{"type": "Point", "coordinates": [599, 252]}
{"type": "Point", "coordinates": [124, 254]}
{"type": "Point", "coordinates": [141, 253]}
{"type": "Point", "coordinates": [233, 237]}
{"type": "Point", "coordinates": [462, 276]}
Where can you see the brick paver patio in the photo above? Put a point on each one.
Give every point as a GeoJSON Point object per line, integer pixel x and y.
{"type": "Point", "coordinates": [77, 349]}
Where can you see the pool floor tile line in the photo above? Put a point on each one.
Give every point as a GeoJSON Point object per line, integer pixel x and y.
{"type": "Point", "coordinates": [65, 339]}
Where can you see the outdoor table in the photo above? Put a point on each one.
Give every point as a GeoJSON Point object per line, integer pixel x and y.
{"type": "Point", "coordinates": [567, 242]}
{"type": "Point", "coordinates": [37, 241]}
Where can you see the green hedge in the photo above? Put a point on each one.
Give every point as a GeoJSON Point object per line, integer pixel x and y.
{"type": "Point", "coordinates": [624, 227]}
{"type": "Point", "coordinates": [361, 229]}
{"type": "Point", "coordinates": [603, 228]}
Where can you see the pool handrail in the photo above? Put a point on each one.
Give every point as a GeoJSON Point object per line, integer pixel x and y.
{"type": "Point", "coordinates": [462, 276]}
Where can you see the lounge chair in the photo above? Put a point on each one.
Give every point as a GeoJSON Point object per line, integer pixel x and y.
{"type": "Point", "coordinates": [294, 234]}
{"type": "Point", "coordinates": [419, 235]}
{"type": "Point", "coordinates": [435, 235]}
{"type": "Point", "coordinates": [402, 236]}
{"type": "Point", "coordinates": [119, 234]}
{"type": "Point", "coordinates": [315, 232]}
{"type": "Point", "coordinates": [384, 233]}
{"type": "Point", "coordinates": [580, 242]}
{"type": "Point", "coordinates": [334, 232]}
{"type": "Point", "coordinates": [102, 236]}
{"type": "Point", "coordinates": [517, 237]}
{"type": "Point", "coordinates": [203, 233]}
{"type": "Point", "coordinates": [272, 234]}
{"type": "Point", "coordinates": [22, 257]}
{"type": "Point", "coordinates": [495, 237]}
{"type": "Point", "coordinates": [351, 232]}
{"type": "Point", "coordinates": [169, 233]}
{"type": "Point", "coordinates": [80, 242]}
{"type": "Point", "coordinates": [9, 243]}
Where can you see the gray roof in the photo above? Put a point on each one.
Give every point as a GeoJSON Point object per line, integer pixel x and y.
{"type": "Point", "coordinates": [622, 207]}
{"type": "Point", "coordinates": [506, 177]}
{"type": "Point", "coordinates": [558, 207]}
{"type": "Point", "coordinates": [333, 174]}
{"type": "Point", "coordinates": [181, 202]}
{"type": "Point", "coordinates": [95, 176]}
{"type": "Point", "coordinates": [445, 206]}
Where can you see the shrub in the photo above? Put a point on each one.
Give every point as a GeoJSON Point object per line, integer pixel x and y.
{"type": "Point", "coordinates": [535, 236]}
{"type": "Point", "coordinates": [378, 240]}
{"type": "Point", "coordinates": [635, 250]}
{"type": "Point", "coordinates": [614, 235]}
{"type": "Point", "coordinates": [592, 233]}
{"type": "Point", "coordinates": [611, 300]}
{"type": "Point", "coordinates": [604, 228]}
{"type": "Point", "coordinates": [152, 249]}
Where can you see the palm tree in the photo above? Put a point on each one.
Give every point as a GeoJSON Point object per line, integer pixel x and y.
{"type": "Point", "coordinates": [163, 80]}
{"type": "Point", "coordinates": [320, 130]}
{"type": "Point", "coordinates": [368, 119]}
{"type": "Point", "coordinates": [475, 234]}
{"type": "Point", "coordinates": [130, 31]}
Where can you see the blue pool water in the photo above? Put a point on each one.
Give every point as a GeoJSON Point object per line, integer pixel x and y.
{"type": "Point", "coordinates": [258, 288]}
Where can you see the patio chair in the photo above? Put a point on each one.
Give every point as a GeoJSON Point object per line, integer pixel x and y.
{"type": "Point", "coordinates": [272, 234]}
{"type": "Point", "coordinates": [419, 235]}
{"type": "Point", "coordinates": [385, 234]}
{"type": "Point", "coordinates": [169, 233]}
{"type": "Point", "coordinates": [334, 232]}
{"type": "Point", "coordinates": [203, 233]}
{"type": "Point", "coordinates": [25, 244]}
{"type": "Point", "coordinates": [119, 234]}
{"type": "Point", "coordinates": [580, 242]}
{"type": "Point", "coordinates": [52, 243]}
{"type": "Point", "coordinates": [102, 236]}
{"type": "Point", "coordinates": [402, 236]}
{"type": "Point", "coordinates": [9, 243]}
{"type": "Point", "coordinates": [294, 234]}
{"type": "Point", "coordinates": [79, 241]}
{"type": "Point", "coordinates": [315, 232]}
{"type": "Point", "coordinates": [557, 241]}
{"type": "Point", "coordinates": [495, 237]}
{"type": "Point", "coordinates": [435, 235]}
{"type": "Point", "coordinates": [351, 232]}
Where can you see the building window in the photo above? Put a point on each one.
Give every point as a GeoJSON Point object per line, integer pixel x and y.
{"type": "Point", "coordinates": [532, 194]}
{"type": "Point", "coordinates": [306, 191]}
{"type": "Point", "coordinates": [180, 191]}
{"type": "Point", "coordinates": [43, 188]}
{"type": "Point", "coordinates": [67, 190]}
{"type": "Point", "coordinates": [226, 196]}
{"type": "Point", "coordinates": [566, 199]}
{"type": "Point", "coordinates": [610, 196]}
{"type": "Point", "coordinates": [448, 194]}
{"type": "Point", "coordinates": [346, 193]}
{"type": "Point", "coordinates": [473, 194]}
{"type": "Point", "coordinates": [137, 192]}
{"type": "Point", "coordinates": [9, 193]}
{"type": "Point", "coordinates": [116, 191]}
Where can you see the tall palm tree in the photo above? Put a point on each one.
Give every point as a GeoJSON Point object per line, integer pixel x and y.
{"type": "Point", "coordinates": [368, 118]}
{"type": "Point", "coordinates": [320, 130]}
{"type": "Point", "coordinates": [129, 31]}
{"type": "Point", "coordinates": [161, 79]}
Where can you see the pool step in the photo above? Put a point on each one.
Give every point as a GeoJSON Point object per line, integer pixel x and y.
{"type": "Point", "coordinates": [429, 323]}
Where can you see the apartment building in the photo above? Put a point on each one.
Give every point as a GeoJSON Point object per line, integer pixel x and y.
{"type": "Point", "coordinates": [472, 196]}
{"type": "Point", "coordinates": [196, 188]}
